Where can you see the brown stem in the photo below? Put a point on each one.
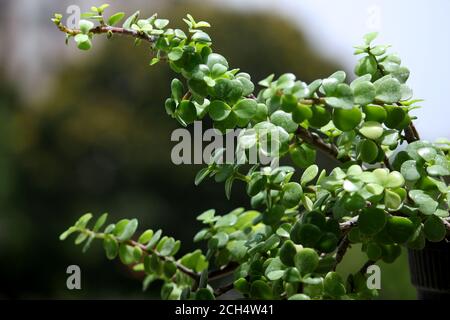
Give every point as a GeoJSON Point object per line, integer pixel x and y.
{"type": "Point", "coordinates": [224, 289]}
{"type": "Point", "coordinates": [318, 142]}
{"type": "Point", "coordinates": [341, 250]}
{"type": "Point", "coordinates": [446, 223]}
{"type": "Point", "coordinates": [347, 225]}
{"type": "Point", "coordinates": [363, 269]}
{"type": "Point", "coordinates": [194, 275]}
{"type": "Point", "coordinates": [108, 29]}
{"type": "Point", "coordinates": [217, 274]}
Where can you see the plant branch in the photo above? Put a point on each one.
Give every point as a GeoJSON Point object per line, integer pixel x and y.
{"type": "Point", "coordinates": [363, 269]}
{"type": "Point", "coordinates": [109, 29]}
{"type": "Point", "coordinates": [446, 223]}
{"type": "Point", "coordinates": [191, 273]}
{"type": "Point", "coordinates": [318, 142]}
{"type": "Point", "coordinates": [220, 291]}
{"type": "Point", "coordinates": [228, 269]}
{"type": "Point", "coordinates": [341, 250]}
{"type": "Point", "coordinates": [347, 225]}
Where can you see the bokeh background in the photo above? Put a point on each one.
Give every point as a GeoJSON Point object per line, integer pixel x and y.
{"type": "Point", "coordinates": [87, 132]}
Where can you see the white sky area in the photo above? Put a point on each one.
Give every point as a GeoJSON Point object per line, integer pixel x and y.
{"type": "Point", "coordinates": [417, 30]}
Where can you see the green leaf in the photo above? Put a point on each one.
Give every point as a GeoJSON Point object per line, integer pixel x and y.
{"type": "Point", "coordinates": [347, 119]}
{"type": "Point", "coordinates": [115, 18]}
{"type": "Point", "coordinates": [228, 186]}
{"type": "Point", "coordinates": [186, 112]}
{"type": "Point", "coordinates": [366, 65]}
{"type": "Point", "coordinates": [126, 254]}
{"type": "Point", "coordinates": [375, 113]}
{"type": "Point", "coordinates": [128, 231]}
{"type": "Point", "coordinates": [285, 81]}
{"type": "Point", "coordinates": [267, 81]}
{"type": "Point", "coordinates": [392, 200]}
{"type": "Point", "coordinates": [83, 220]}
{"type": "Point", "coordinates": [434, 229]}
{"type": "Point", "coordinates": [306, 260]}
{"type": "Point", "coordinates": [83, 41]}
{"type": "Point", "coordinates": [292, 193]}
{"type": "Point", "coordinates": [333, 285]}
{"type": "Point", "coordinates": [131, 20]}
{"type": "Point", "coordinates": [226, 221]}
{"type": "Point", "coordinates": [373, 251]}
{"type": "Point", "coordinates": [391, 63]}
{"type": "Point", "coordinates": [204, 294]}
{"type": "Point", "coordinates": [67, 233]}
{"type": "Point", "coordinates": [368, 151]}
{"type": "Point", "coordinates": [201, 175]}
{"type": "Point", "coordinates": [155, 238]}
{"type": "Point", "coordinates": [427, 205]}
{"type": "Point", "coordinates": [100, 222]}
{"type": "Point", "coordinates": [219, 110]}
{"type": "Point", "coordinates": [287, 253]}
{"type": "Point", "coordinates": [175, 54]}
{"type": "Point", "coordinates": [369, 37]}
{"type": "Point", "coordinates": [372, 130]}
{"type": "Point", "coordinates": [438, 170]}
{"type": "Point", "coordinates": [146, 236]}
{"type": "Point", "coordinates": [166, 246]}
{"type": "Point", "coordinates": [363, 92]}
{"type": "Point", "coordinates": [222, 239]}
{"type": "Point", "coordinates": [342, 97]}
{"type": "Point", "coordinates": [195, 261]}
{"type": "Point", "coordinates": [371, 221]}
{"type": "Point", "coordinates": [245, 108]}
{"type": "Point", "coordinates": [400, 229]}
{"type": "Point", "coordinates": [394, 180]}
{"type": "Point", "coordinates": [292, 275]}
{"type": "Point", "coordinates": [85, 26]}
{"type": "Point", "coordinates": [215, 58]}
{"type": "Point", "coordinates": [161, 23]}
{"type": "Point", "coordinates": [80, 238]}
{"type": "Point", "coordinates": [409, 170]}
{"type": "Point", "coordinates": [284, 120]}
{"type": "Point", "coordinates": [207, 216]}
{"type": "Point", "coordinates": [260, 290]}
{"type": "Point", "coordinates": [309, 174]}
{"type": "Point", "coordinates": [201, 36]}
{"type": "Point", "coordinates": [427, 153]}
{"type": "Point", "coordinates": [302, 155]}
{"type": "Point", "coordinates": [242, 285]}
{"type": "Point", "coordinates": [299, 296]}
{"type": "Point", "coordinates": [388, 90]}
{"type": "Point", "coordinates": [177, 89]}
{"type": "Point", "coordinates": [111, 247]}
{"type": "Point", "coordinates": [306, 234]}
{"type": "Point", "coordinates": [274, 270]}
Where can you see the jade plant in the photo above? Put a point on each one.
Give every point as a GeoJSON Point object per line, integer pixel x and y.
{"type": "Point", "coordinates": [386, 192]}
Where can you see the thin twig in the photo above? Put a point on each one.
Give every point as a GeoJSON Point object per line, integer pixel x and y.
{"type": "Point", "coordinates": [220, 291]}
{"type": "Point", "coordinates": [363, 269]}
{"type": "Point", "coordinates": [315, 140]}
{"type": "Point", "coordinates": [109, 29]}
{"type": "Point", "coordinates": [341, 250]}
{"type": "Point", "coordinates": [345, 226]}
{"type": "Point", "coordinates": [228, 269]}
{"type": "Point", "coordinates": [194, 275]}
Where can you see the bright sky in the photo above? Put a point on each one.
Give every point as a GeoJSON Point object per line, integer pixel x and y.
{"type": "Point", "coordinates": [418, 31]}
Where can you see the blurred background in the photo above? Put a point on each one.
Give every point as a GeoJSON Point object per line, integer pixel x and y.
{"type": "Point", "coordinates": [87, 132]}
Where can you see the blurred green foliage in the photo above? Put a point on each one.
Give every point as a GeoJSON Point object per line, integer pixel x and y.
{"type": "Point", "coordinates": [102, 143]}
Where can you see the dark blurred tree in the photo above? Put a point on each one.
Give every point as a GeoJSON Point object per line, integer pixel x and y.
{"type": "Point", "coordinates": [102, 143]}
